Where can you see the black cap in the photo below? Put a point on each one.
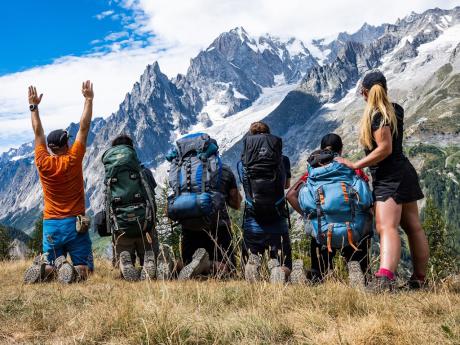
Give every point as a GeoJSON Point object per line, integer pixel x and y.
{"type": "Point", "coordinates": [373, 78]}
{"type": "Point", "coordinates": [333, 142]}
{"type": "Point", "coordinates": [58, 138]}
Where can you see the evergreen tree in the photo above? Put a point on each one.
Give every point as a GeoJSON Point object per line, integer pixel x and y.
{"type": "Point", "coordinates": [36, 242]}
{"type": "Point", "coordinates": [444, 258]}
{"type": "Point", "coordinates": [5, 243]}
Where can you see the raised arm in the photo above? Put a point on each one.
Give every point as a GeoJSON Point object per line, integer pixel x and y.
{"type": "Point", "coordinates": [34, 101]}
{"type": "Point", "coordinates": [85, 121]}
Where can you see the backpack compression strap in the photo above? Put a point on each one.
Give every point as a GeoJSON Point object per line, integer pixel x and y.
{"type": "Point", "coordinates": [329, 238]}
{"type": "Point", "coordinates": [319, 198]}
{"type": "Point", "coordinates": [350, 237]}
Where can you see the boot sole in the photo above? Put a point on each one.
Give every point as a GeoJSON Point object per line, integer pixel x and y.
{"type": "Point", "coordinates": [128, 271]}
{"type": "Point", "coordinates": [196, 266]}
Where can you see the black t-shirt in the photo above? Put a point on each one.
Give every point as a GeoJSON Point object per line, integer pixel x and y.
{"type": "Point", "coordinates": [227, 183]}
{"type": "Point", "coordinates": [392, 167]}
{"type": "Point", "coordinates": [287, 166]}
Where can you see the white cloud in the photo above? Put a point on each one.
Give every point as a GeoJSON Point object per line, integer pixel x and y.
{"type": "Point", "coordinates": [104, 14]}
{"type": "Point", "coordinates": [113, 76]}
{"type": "Point", "coordinates": [178, 29]}
{"type": "Point", "coordinates": [115, 36]}
{"type": "Point", "coordinates": [198, 22]}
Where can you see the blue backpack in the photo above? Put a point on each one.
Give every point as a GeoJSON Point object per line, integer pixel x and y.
{"type": "Point", "coordinates": [337, 203]}
{"type": "Point", "coordinates": [194, 178]}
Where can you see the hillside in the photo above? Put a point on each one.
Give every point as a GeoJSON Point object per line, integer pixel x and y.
{"type": "Point", "coordinates": [241, 78]}
{"type": "Point", "coordinates": [106, 310]}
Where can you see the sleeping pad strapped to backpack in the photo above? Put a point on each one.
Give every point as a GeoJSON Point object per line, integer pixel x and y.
{"type": "Point", "coordinates": [263, 176]}
{"type": "Point", "coordinates": [130, 203]}
{"type": "Point", "coordinates": [337, 202]}
{"type": "Point", "coordinates": [194, 178]}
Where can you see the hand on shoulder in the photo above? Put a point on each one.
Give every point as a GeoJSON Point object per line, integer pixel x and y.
{"type": "Point", "coordinates": [345, 162]}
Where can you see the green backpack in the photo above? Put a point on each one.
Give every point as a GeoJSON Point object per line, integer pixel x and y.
{"type": "Point", "coordinates": [130, 204]}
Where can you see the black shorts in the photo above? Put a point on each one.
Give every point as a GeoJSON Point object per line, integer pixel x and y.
{"type": "Point", "coordinates": [403, 190]}
{"type": "Point", "coordinates": [217, 242]}
{"type": "Point", "coordinates": [278, 246]}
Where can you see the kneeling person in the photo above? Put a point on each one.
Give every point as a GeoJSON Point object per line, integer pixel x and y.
{"type": "Point", "coordinates": [343, 202]}
{"type": "Point", "coordinates": [130, 210]}
{"type": "Point", "coordinates": [201, 188]}
{"type": "Point", "coordinates": [265, 174]}
{"type": "Point", "coordinates": [60, 168]}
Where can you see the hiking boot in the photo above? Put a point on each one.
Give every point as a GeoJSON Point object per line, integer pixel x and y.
{"type": "Point", "coordinates": [298, 274]}
{"type": "Point", "coordinates": [36, 273]}
{"type": "Point", "coordinates": [200, 262]}
{"type": "Point", "coordinates": [66, 273]}
{"type": "Point", "coordinates": [414, 284]}
{"type": "Point", "coordinates": [149, 269]}
{"type": "Point", "coordinates": [355, 275]}
{"type": "Point", "coordinates": [165, 263]}
{"type": "Point", "coordinates": [314, 276]}
{"type": "Point", "coordinates": [381, 284]}
{"type": "Point", "coordinates": [277, 274]}
{"type": "Point", "coordinates": [252, 268]}
{"type": "Point", "coordinates": [128, 271]}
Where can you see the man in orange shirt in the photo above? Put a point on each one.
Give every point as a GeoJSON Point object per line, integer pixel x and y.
{"type": "Point", "coordinates": [60, 168]}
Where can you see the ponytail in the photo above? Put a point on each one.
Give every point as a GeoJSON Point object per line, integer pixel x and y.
{"type": "Point", "coordinates": [377, 102]}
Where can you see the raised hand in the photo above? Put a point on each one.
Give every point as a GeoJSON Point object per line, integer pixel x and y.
{"type": "Point", "coordinates": [87, 90]}
{"type": "Point", "coordinates": [33, 96]}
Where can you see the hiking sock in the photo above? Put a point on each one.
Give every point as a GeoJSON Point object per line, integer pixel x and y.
{"type": "Point", "coordinates": [383, 272]}
{"type": "Point", "coordinates": [200, 263]}
{"type": "Point", "coordinates": [66, 273]}
{"type": "Point", "coordinates": [252, 268]}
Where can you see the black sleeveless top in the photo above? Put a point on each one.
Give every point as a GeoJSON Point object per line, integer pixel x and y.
{"type": "Point", "coordinates": [390, 167]}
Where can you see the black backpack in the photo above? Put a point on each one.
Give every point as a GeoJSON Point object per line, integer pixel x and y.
{"type": "Point", "coordinates": [263, 177]}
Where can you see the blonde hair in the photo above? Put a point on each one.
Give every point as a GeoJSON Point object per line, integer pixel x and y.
{"type": "Point", "coordinates": [377, 102]}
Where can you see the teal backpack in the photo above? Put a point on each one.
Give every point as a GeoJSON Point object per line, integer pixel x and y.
{"type": "Point", "coordinates": [130, 203]}
{"type": "Point", "coordinates": [337, 203]}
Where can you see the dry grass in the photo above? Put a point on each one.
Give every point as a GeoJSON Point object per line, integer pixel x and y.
{"type": "Point", "coordinates": [106, 310]}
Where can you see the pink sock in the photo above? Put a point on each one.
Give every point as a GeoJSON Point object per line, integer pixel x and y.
{"type": "Point", "coordinates": [383, 272]}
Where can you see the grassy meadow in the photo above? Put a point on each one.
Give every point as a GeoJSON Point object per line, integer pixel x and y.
{"type": "Point", "coordinates": [107, 310]}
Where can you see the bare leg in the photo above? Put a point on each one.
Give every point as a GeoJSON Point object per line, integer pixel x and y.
{"type": "Point", "coordinates": [418, 243]}
{"type": "Point", "coordinates": [388, 216]}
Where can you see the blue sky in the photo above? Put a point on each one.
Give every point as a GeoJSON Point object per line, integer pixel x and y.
{"type": "Point", "coordinates": [37, 32]}
{"type": "Point", "coordinates": [56, 44]}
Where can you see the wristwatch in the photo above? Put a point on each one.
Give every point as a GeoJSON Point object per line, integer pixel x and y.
{"type": "Point", "coordinates": [33, 107]}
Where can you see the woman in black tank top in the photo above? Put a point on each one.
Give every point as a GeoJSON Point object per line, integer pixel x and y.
{"type": "Point", "coordinates": [395, 182]}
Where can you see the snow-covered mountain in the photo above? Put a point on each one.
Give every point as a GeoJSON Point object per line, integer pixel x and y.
{"type": "Point", "coordinates": [301, 93]}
